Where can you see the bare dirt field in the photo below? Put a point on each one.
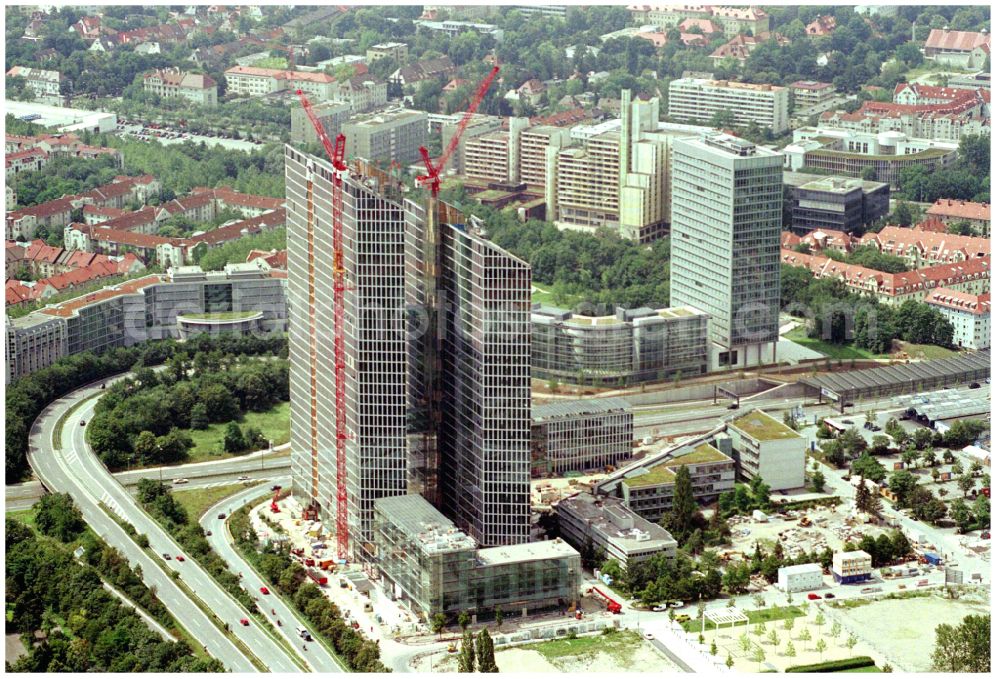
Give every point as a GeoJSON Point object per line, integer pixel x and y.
{"type": "Point", "coordinates": [904, 628]}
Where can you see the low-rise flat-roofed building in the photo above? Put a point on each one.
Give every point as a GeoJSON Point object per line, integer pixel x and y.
{"type": "Point", "coordinates": [580, 435]}
{"type": "Point", "coordinates": [766, 447]}
{"type": "Point", "coordinates": [851, 567]}
{"type": "Point", "coordinates": [808, 94]}
{"type": "Point", "coordinates": [61, 119]}
{"type": "Point", "coordinates": [837, 203]}
{"type": "Point", "coordinates": [427, 562]}
{"type": "Point", "coordinates": [331, 114]}
{"type": "Point", "coordinates": [700, 99]}
{"type": "Point", "coordinates": [850, 153]}
{"type": "Point", "coordinates": [394, 135]}
{"type": "Point", "coordinates": [605, 522]}
{"type": "Point", "coordinates": [387, 50]}
{"type": "Point", "coordinates": [648, 490]}
{"type": "Point", "coordinates": [800, 578]}
{"type": "Point", "coordinates": [633, 345]}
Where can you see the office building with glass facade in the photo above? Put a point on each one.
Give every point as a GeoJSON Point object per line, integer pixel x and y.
{"type": "Point", "coordinates": [580, 435]}
{"type": "Point", "coordinates": [725, 244]}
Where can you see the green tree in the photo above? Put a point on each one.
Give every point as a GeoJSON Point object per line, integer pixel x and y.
{"type": "Point", "coordinates": [233, 441]}
{"type": "Point", "coordinates": [484, 650]}
{"type": "Point", "coordinates": [772, 637]}
{"type": "Point", "coordinates": [851, 642]}
{"type": "Point", "coordinates": [966, 482]}
{"type": "Point", "coordinates": [821, 647]}
{"type": "Point", "coordinates": [498, 616]}
{"type": "Point", "coordinates": [960, 512]}
{"type": "Point", "coordinates": [464, 619]}
{"type": "Point", "coordinates": [57, 516]}
{"type": "Point", "coordinates": [729, 661]}
{"type": "Point", "coordinates": [758, 656]}
{"type": "Point", "coordinates": [790, 649]}
{"type": "Point", "coordinates": [467, 654]}
{"type": "Point", "coordinates": [437, 623]}
{"type": "Point", "coordinates": [680, 520]}
{"type": "Point", "coordinates": [870, 468]}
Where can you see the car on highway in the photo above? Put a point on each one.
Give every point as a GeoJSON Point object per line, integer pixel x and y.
{"type": "Point", "coordinates": [242, 478]}
{"type": "Point", "coordinates": [813, 596]}
{"type": "Point", "coordinates": [208, 534]}
{"type": "Point", "coordinates": [677, 604]}
{"type": "Point", "coordinates": [221, 516]}
{"type": "Point", "coordinates": [649, 636]}
{"type": "Point", "coordinates": [659, 608]}
{"type": "Point", "coordinates": [733, 406]}
{"type": "Point", "coordinates": [974, 385]}
{"type": "Point", "coordinates": [244, 622]}
{"type": "Point", "coordinates": [828, 595]}
{"type": "Point", "coordinates": [264, 590]}
{"type": "Point", "coordinates": [83, 423]}
{"type": "Point", "coordinates": [178, 482]}
{"type": "Point", "coordinates": [180, 557]}
{"type": "Point", "coordinates": [275, 488]}
{"type": "Point", "coordinates": [166, 557]}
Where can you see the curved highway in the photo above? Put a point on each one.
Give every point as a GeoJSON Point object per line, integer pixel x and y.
{"type": "Point", "coordinates": [73, 468]}
{"type": "Point", "coordinates": [314, 654]}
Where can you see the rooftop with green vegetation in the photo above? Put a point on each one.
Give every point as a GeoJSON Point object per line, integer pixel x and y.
{"type": "Point", "coordinates": [763, 427]}
{"type": "Point", "coordinates": [654, 476]}
{"type": "Point", "coordinates": [705, 452]}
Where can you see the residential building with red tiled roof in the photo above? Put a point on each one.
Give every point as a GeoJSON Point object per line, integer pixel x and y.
{"type": "Point", "coordinates": [740, 46]}
{"type": "Point", "coordinates": [275, 259]}
{"type": "Point", "coordinates": [922, 248]}
{"type": "Point", "coordinates": [968, 314]}
{"type": "Point", "coordinates": [254, 81]}
{"type": "Point", "coordinates": [172, 82]}
{"type": "Point", "coordinates": [822, 25]}
{"type": "Point", "coordinates": [732, 20]}
{"type": "Point", "coordinates": [31, 160]}
{"type": "Point", "coordinates": [706, 26]}
{"type": "Point", "coordinates": [966, 49]}
{"type": "Point", "coordinates": [951, 211]}
{"type": "Point", "coordinates": [971, 275]}
{"type": "Point", "coordinates": [93, 214]}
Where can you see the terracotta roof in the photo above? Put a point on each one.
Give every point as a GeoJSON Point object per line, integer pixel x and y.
{"type": "Point", "coordinates": [231, 197]}
{"type": "Point", "coordinates": [931, 225]}
{"type": "Point", "coordinates": [706, 26]}
{"type": "Point", "coordinates": [959, 209]}
{"type": "Point", "coordinates": [70, 307]}
{"type": "Point", "coordinates": [135, 239]}
{"type": "Point", "coordinates": [46, 209]}
{"type": "Point", "coordinates": [899, 240]}
{"type": "Point", "coordinates": [20, 155]}
{"type": "Point", "coordinates": [179, 78]}
{"type": "Point", "coordinates": [276, 259]}
{"type": "Point", "coordinates": [131, 220]}
{"type": "Point", "coordinates": [823, 25]}
{"type": "Point", "coordinates": [963, 41]}
{"type": "Point", "coordinates": [960, 301]}
{"type": "Point", "coordinates": [789, 240]}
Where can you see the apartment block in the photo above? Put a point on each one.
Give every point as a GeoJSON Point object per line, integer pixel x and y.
{"type": "Point", "coordinates": [648, 490]}
{"type": "Point", "coordinates": [45, 84]}
{"type": "Point", "coordinates": [951, 211]}
{"type": "Point", "coordinates": [725, 243]}
{"type": "Point", "coordinates": [487, 157]}
{"type": "Point", "coordinates": [968, 314]}
{"type": "Point", "coordinates": [633, 345]}
{"type": "Point", "coordinates": [478, 126]}
{"type": "Point", "coordinates": [535, 166]}
{"type": "Point", "coordinates": [433, 567]}
{"type": "Point", "coordinates": [34, 342]}
{"type": "Point", "coordinates": [331, 115]}
{"type": "Point", "coordinates": [605, 523]}
{"type": "Point", "coordinates": [765, 447]}
{"type": "Point", "coordinates": [363, 92]}
{"type": "Point", "coordinates": [197, 88]}
{"type": "Point", "coordinates": [580, 435]}
{"type": "Point", "coordinates": [584, 198]}
{"type": "Point", "coordinates": [387, 50]}
{"type": "Point", "coordinates": [257, 82]}
{"type": "Point", "coordinates": [393, 135]}
{"type": "Point", "coordinates": [733, 20]}
{"type": "Point", "coordinates": [809, 94]}
{"type": "Point", "coordinates": [700, 99]}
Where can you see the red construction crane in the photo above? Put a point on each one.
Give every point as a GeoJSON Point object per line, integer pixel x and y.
{"type": "Point", "coordinates": [433, 176]}
{"type": "Point", "coordinates": [335, 151]}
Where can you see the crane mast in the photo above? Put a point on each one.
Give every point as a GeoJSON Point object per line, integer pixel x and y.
{"type": "Point", "coordinates": [335, 151]}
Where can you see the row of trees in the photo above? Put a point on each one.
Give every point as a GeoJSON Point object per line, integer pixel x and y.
{"type": "Point", "coordinates": [968, 179]}
{"type": "Point", "coordinates": [477, 653]}
{"type": "Point", "coordinates": [62, 176]}
{"type": "Point", "coordinates": [289, 578]}
{"type": "Point", "coordinates": [837, 315]}
{"type": "Point", "coordinates": [156, 498]}
{"type": "Point", "coordinates": [28, 396]}
{"type": "Point", "coordinates": [87, 628]}
{"type": "Point", "coordinates": [142, 416]}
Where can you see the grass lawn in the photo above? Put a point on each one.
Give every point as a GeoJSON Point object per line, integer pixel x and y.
{"type": "Point", "coordinates": [799, 336]}
{"type": "Point", "coordinates": [542, 294]}
{"type": "Point", "coordinates": [272, 62]}
{"type": "Point", "coordinates": [274, 424]}
{"type": "Point", "coordinates": [616, 644]}
{"type": "Point", "coordinates": [197, 500]}
{"type": "Point", "coordinates": [25, 516]}
{"type": "Point", "coordinates": [870, 668]}
{"type": "Point", "coordinates": [926, 350]}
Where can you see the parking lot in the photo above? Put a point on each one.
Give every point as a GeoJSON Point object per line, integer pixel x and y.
{"type": "Point", "coordinates": [172, 135]}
